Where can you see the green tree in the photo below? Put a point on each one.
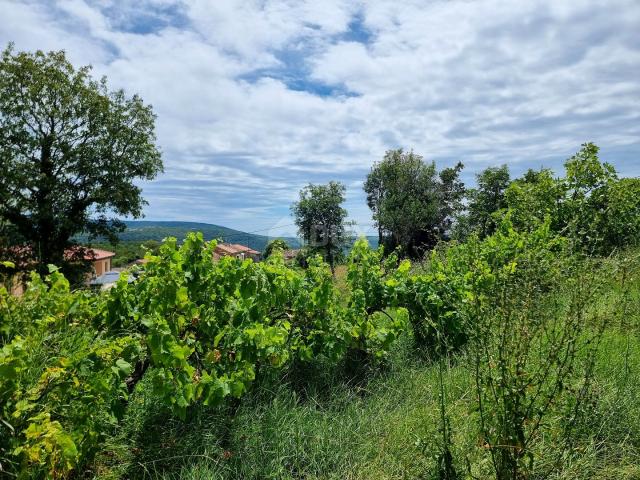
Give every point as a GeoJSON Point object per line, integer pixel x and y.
{"type": "Point", "coordinates": [590, 204]}
{"type": "Point", "coordinates": [277, 244]}
{"type": "Point", "coordinates": [487, 198]}
{"type": "Point", "coordinates": [151, 245]}
{"type": "Point", "coordinates": [321, 220]}
{"type": "Point", "coordinates": [452, 193]}
{"type": "Point", "coordinates": [534, 196]}
{"type": "Point", "coordinates": [70, 151]}
{"type": "Point", "coordinates": [413, 206]}
{"type": "Point", "coordinates": [588, 182]}
{"type": "Point", "coordinates": [623, 220]}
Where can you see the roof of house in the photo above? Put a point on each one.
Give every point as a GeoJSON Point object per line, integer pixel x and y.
{"type": "Point", "coordinates": [25, 252]}
{"type": "Point", "coordinates": [99, 254]}
{"type": "Point", "coordinates": [108, 278]}
{"type": "Point", "coordinates": [234, 249]}
{"type": "Point", "coordinates": [90, 254]}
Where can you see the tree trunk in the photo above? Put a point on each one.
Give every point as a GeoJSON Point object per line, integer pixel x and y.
{"type": "Point", "coordinates": [137, 374]}
{"type": "Point", "coordinates": [48, 248]}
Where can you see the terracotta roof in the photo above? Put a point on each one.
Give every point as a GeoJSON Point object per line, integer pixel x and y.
{"type": "Point", "coordinates": [234, 249]}
{"type": "Point", "coordinates": [99, 254]}
{"type": "Point", "coordinates": [90, 254]}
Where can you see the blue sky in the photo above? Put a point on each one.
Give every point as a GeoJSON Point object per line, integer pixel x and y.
{"type": "Point", "coordinates": [255, 99]}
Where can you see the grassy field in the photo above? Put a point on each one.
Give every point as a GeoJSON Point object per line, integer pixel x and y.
{"type": "Point", "coordinates": [318, 424]}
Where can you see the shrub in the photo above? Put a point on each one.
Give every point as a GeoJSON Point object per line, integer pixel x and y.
{"type": "Point", "coordinates": [63, 383]}
{"type": "Point", "coordinates": [529, 302]}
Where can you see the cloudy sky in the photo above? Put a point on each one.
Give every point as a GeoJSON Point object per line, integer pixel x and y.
{"type": "Point", "coordinates": [257, 98]}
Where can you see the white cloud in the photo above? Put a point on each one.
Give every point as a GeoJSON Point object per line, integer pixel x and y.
{"type": "Point", "coordinates": [256, 98]}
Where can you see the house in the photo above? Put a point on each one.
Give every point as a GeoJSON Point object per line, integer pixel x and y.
{"type": "Point", "coordinates": [100, 261]}
{"type": "Point", "coordinates": [235, 250]}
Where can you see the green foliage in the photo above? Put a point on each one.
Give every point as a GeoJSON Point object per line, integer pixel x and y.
{"type": "Point", "coordinates": [207, 325]}
{"type": "Point", "coordinates": [210, 326]}
{"type": "Point", "coordinates": [623, 218]}
{"type": "Point", "coordinates": [451, 192]}
{"type": "Point", "coordinates": [534, 196]}
{"type": "Point", "coordinates": [527, 343]}
{"type": "Point", "coordinates": [208, 330]}
{"type": "Point", "coordinates": [321, 219]}
{"type": "Point", "coordinates": [487, 199]}
{"type": "Point", "coordinates": [69, 152]}
{"type": "Point", "coordinates": [412, 205]}
{"type": "Point", "coordinates": [388, 427]}
{"type": "Point", "coordinates": [376, 285]}
{"type": "Point", "coordinates": [436, 300]}
{"type": "Point", "coordinates": [277, 244]}
{"type": "Point", "coordinates": [62, 383]}
{"type": "Point", "coordinates": [589, 205]}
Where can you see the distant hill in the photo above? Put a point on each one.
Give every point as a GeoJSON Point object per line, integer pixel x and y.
{"type": "Point", "coordinates": [141, 230]}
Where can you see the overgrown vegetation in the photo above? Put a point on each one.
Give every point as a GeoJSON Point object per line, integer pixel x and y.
{"type": "Point", "coordinates": [514, 321]}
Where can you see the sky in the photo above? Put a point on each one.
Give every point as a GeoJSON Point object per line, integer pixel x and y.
{"type": "Point", "coordinates": [256, 99]}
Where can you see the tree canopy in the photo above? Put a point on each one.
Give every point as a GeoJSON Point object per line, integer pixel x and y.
{"type": "Point", "coordinates": [273, 245]}
{"type": "Point", "coordinates": [321, 219]}
{"type": "Point", "coordinates": [590, 204]}
{"type": "Point", "coordinates": [70, 152]}
{"type": "Point", "coordinates": [413, 206]}
{"type": "Point", "coordinates": [487, 199]}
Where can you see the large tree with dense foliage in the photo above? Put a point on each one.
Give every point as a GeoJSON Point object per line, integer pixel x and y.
{"type": "Point", "coordinates": [413, 206]}
{"type": "Point", "coordinates": [321, 219]}
{"type": "Point", "coordinates": [623, 219]}
{"type": "Point", "coordinates": [534, 196]}
{"type": "Point", "coordinates": [70, 150]}
{"type": "Point", "coordinates": [452, 193]}
{"type": "Point", "coordinates": [487, 198]}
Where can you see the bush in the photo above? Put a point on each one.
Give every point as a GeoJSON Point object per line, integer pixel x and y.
{"type": "Point", "coordinates": [63, 382]}
{"type": "Point", "coordinates": [529, 302]}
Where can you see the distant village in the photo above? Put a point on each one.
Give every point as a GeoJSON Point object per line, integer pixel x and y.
{"type": "Point", "coordinates": [102, 275]}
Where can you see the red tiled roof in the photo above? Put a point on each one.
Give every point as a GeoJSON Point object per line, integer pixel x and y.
{"type": "Point", "coordinates": [98, 254]}
{"type": "Point", "coordinates": [89, 254]}
{"type": "Point", "coordinates": [234, 249]}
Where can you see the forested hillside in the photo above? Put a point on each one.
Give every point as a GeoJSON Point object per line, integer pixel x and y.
{"type": "Point", "coordinates": [139, 231]}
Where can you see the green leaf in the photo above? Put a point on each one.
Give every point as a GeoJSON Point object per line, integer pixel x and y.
{"type": "Point", "coordinates": [124, 366]}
